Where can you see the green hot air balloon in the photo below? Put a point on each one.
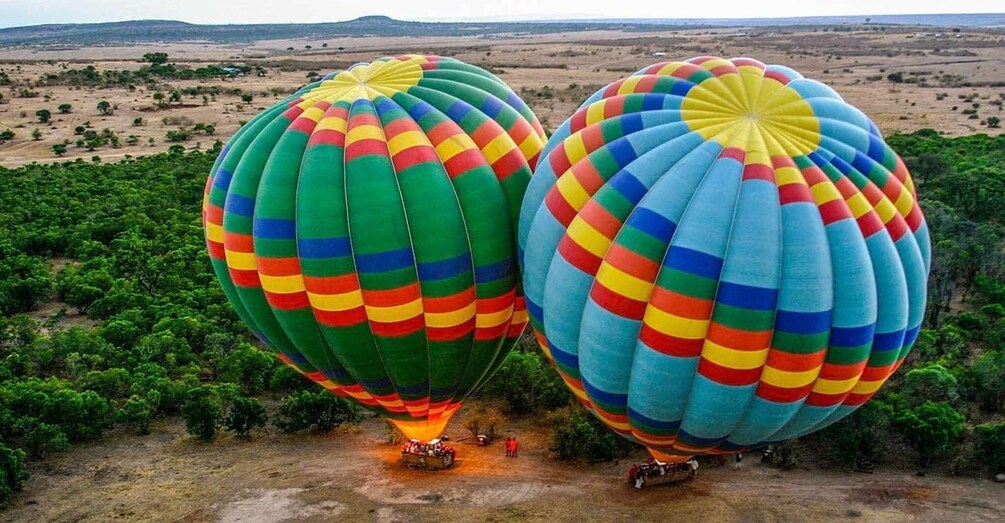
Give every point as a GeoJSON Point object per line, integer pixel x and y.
{"type": "Point", "coordinates": [364, 229]}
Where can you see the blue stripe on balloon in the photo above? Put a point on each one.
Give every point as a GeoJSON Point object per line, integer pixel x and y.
{"type": "Point", "coordinates": [609, 398]}
{"type": "Point", "coordinates": [240, 205]}
{"type": "Point", "coordinates": [222, 179]}
{"type": "Point", "coordinates": [323, 247]}
{"type": "Point", "coordinates": [274, 229]}
{"type": "Point", "coordinates": [629, 186]}
{"type": "Point", "coordinates": [622, 151]}
{"type": "Point", "coordinates": [384, 261]}
{"type": "Point", "coordinates": [631, 123]}
{"type": "Point", "coordinates": [693, 262]}
{"type": "Point", "coordinates": [803, 322]}
{"type": "Point", "coordinates": [422, 389]}
{"type": "Point", "coordinates": [862, 163]}
{"type": "Point", "coordinates": [439, 270]}
{"type": "Point", "coordinates": [681, 87]}
{"type": "Point", "coordinates": [746, 296]}
{"type": "Point", "coordinates": [635, 415]}
{"type": "Point", "coordinates": [492, 106]}
{"type": "Point", "coordinates": [852, 336]}
{"type": "Point", "coordinates": [911, 335]}
{"type": "Point", "coordinates": [419, 110]}
{"type": "Point", "coordinates": [652, 223]}
{"type": "Point", "coordinates": [458, 110]}
{"type": "Point", "coordinates": [534, 309]}
{"type": "Point", "coordinates": [885, 341]}
{"type": "Point", "coordinates": [652, 101]}
{"type": "Point", "coordinates": [876, 150]}
{"type": "Point", "coordinates": [379, 383]}
{"type": "Point", "coordinates": [493, 272]}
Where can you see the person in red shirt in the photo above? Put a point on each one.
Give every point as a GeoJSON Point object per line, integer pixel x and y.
{"type": "Point", "coordinates": [516, 447]}
{"type": "Point", "coordinates": [509, 447]}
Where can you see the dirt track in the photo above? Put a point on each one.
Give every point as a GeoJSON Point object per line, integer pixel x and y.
{"type": "Point", "coordinates": [355, 475]}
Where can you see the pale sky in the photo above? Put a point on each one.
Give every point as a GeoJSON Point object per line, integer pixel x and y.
{"type": "Point", "coordinates": [31, 12]}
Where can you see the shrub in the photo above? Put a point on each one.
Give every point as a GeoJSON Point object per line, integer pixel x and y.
{"type": "Point", "coordinates": [931, 429]}
{"type": "Point", "coordinates": [247, 367]}
{"type": "Point", "coordinates": [319, 411]}
{"type": "Point", "coordinates": [12, 473]}
{"type": "Point", "coordinates": [245, 415]}
{"type": "Point", "coordinates": [203, 411]}
{"type": "Point", "coordinates": [989, 447]}
{"type": "Point", "coordinates": [527, 383]}
{"type": "Point", "coordinates": [43, 115]}
{"type": "Point", "coordinates": [580, 436]}
{"type": "Point", "coordinates": [136, 411]}
{"type": "Point", "coordinates": [862, 436]}
{"type": "Point", "coordinates": [485, 420]}
{"type": "Point", "coordinates": [65, 108]}
{"type": "Point", "coordinates": [285, 379]}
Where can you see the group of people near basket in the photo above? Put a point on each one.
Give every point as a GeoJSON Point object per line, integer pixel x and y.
{"type": "Point", "coordinates": [655, 468]}
{"type": "Point", "coordinates": [429, 449]}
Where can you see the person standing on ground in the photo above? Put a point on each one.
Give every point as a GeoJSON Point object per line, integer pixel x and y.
{"type": "Point", "coordinates": [516, 447]}
{"type": "Point", "coordinates": [509, 447]}
{"type": "Point", "coordinates": [739, 461]}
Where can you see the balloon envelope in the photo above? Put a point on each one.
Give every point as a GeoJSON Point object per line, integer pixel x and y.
{"type": "Point", "coordinates": [364, 229]}
{"type": "Point", "coordinates": [720, 254]}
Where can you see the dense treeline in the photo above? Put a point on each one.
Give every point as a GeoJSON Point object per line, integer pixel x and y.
{"type": "Point", "coordinates": [136, 326]}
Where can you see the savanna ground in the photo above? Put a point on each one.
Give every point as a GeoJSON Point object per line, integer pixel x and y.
{"type": "Point", "coordinates": [355, 474]}
{"type": "Point", "coordinates": [953, 81]}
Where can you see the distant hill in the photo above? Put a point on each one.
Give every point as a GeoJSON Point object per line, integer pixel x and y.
{"type": "Point", "coordinates": [173, 31]}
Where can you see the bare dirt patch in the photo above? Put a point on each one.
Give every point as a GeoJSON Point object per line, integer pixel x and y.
{"type": "Point", "coordinates": [355, 475]}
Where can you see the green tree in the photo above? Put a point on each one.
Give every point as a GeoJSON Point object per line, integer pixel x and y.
{"type": "Point", "coordinates": [994, 122]}
{"type": "Point", "coordinates": [989, 446]}
{"type": "Point", "coordinates": [527, 383]}
{"type": "Point", "coordinates": [247, 97]}
{"type": "Point", "coordinates": [320, 411]}
{"type": "Point", "coordinates": [248, 368]}
{"type": "Point", "coordinates": [932, 429]}
{"type": "Point", "coordinates": [203, 412]}
{"type": "Point", "coordinates": [36, 134]}
{"type": "Point", "coordinates": [65, 108]}
{"type": "Point", "coordinates": [12, 473]}
{"type": "Point", "coordinates": [59, 149]}
{"type": "Point", "coordinates": [155, 58]}
{"type": "Point", "coordinates": [931, 382]}
{"type": "Point", "coordinates": [245, 414]}
{"type": "Point", "coordinates": [7, 135]}
{"type": "Point", "coordinates": [862, 436]}
{"type": "Point", "coordinates": [136, 411]}
{"type": "Point", "coordinates": [43, 115]}
{"type": "Point", "coordinates": [579, 436]}
{"type": "Point", "coordinates": [105, 107]}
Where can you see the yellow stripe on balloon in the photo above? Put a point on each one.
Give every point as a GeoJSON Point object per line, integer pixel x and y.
{"type": "Point", "coordinates": [498, 147]}
{"type": "Point", "coordinates": [214, 232]}
{"type": "Point", "coordinates": [242, 261]}
{"type": "Point", "coordinates": [336, 302]}
{"type": "Point", "coordinates": [282, 284]}
{"type": "Point", "coordinates": [834, 387]}
{"type": "Point", "coordinates": [313, 114]}
{"type": "Point", "coordinates": [595, 112]}
{"type": "Point", "coordinates": [628, 86]}
{"type": "Point", "coordinates": [787, 175]}
{"type": "Point", "coordinates": [454, 145]}
{"type": "Point", "coordinates": [395, 313]}
{"type": "Point", "coordinates": [588, 238]}
{"type": "Point", "coordinates": [867, 387]}
{"type": "Point", "coordinates": [572, 190]}
{"type": "Point", "coordinates": [905, 202]}
{"type": "Point", "coordinates": [733, 359]}
{"type": "Point", "coordinates": [824, 192]}
{"type": "Point", "coordinates": [623, 283]}
{"type": "Point", "coordinates": [331, 123]}
{"type": "Point", "coordinates": [787, 379]}
{"type": "Point", "coordinates": [859, 205]}
{"type": "Point", "coordinates": [885, 210]}
{"type": "Point", "coordinates": [493, 319]}
{"type": "Point", "coordinates": [575, 149]}
{"type": "Point", "coordinates": [364, 132]}
{"type": "Point", "coordinates": [531, 145]}
{"type": "Point", "coordinates": [450, 319]}
{"type": "Point", "coordinates": [405, 140]}
{"type": "Point", "coordinates": [673, 325]}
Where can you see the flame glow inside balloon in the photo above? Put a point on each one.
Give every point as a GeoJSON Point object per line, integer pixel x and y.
{"type": "Point", "coordinates": [364, 229]}
{"type": "Point", "coordinates": [720, 254]}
